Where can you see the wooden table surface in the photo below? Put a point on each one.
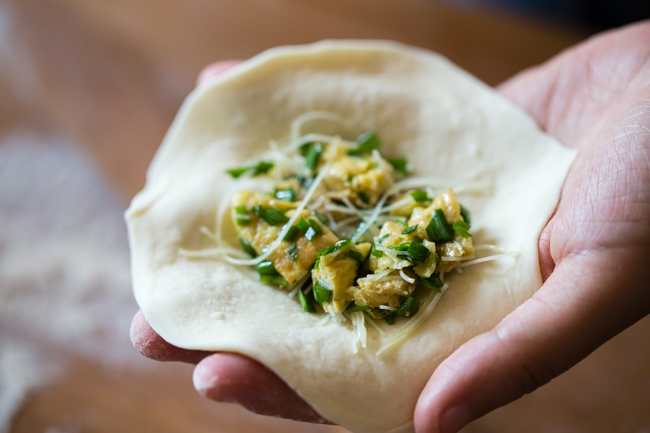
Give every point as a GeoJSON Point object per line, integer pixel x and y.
{"type": "Point", "coordinates": [112, 73]}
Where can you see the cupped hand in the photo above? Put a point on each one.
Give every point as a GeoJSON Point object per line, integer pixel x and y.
{"type": "Point", "coordinates": [593, 253]}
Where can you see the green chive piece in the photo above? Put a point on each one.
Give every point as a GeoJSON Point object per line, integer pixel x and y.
{"type": "Point", "coordinates": [383, 238]}
{"type": "Point", "coordinates": [408, 307]}
{"type": "Point", "coordinates": [314, 225]}
{"type": "Point", "coordinates": [363, 196]}
{"type": "Point", "coordinates": [322, 218]}
{"type": "Point", "coordinates": [418, 252]}
{"type": "Point", "coordinates": [404, 246]}
{"type": "Point", "coordinates": [277, 280]}
{"type": "Point", "coordinates": [465, 214]}
{"type": "Point", "coordinates": [313, 154]}
{"type": "Point", "coordinates": [242, 218]}
{"type": "Point", "coordinates": [293, 252]}
{"type": "Point", "coordinates": [368, 141]}
{"type": "Point", "coordinates": [400, 222]}
{"type": "Point", "coordinates": [288, 194]}
{"type": "Point", "coordinates": [322, 293]}
{"type": "Point", "coordinates": [303, 225]}
{"type": "Point", "coordinates": [306, 303]}
{"type": "Point", "coordinates": [376, 253]}
{"type": "Point", "coordinates": [438, 228]}
{"type": "Point", "coordinates": [247, 247]}
{"type": "Point", "coordinates": [410, 229]}
{"type": "Point", "coordinates": [390, 319]}
{"type": "Point", "coordinates": [356, 255]}
{"type": "Point", "coordinates": [434, 283]}
{"type": "Point", "coordinates": [462, 228]}
{"type": "Point", "coordinates": [400, 165]}
{"type": "Point", "coordinates": [357, 308]}
{"type": "Point", "coordinates": [291, 235]}
{"type": "Point", "coordinates": [420, 196]}
{"type": "Point", "coordinates": [266, 268]}
{"type": "Point", "coordinates": [272, 216]}
{"type": "Point", "coordinates": [260, 168]}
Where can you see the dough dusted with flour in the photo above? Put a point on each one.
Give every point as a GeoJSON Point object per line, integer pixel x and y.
{"type": "Point", "coordinates": [448, 124]}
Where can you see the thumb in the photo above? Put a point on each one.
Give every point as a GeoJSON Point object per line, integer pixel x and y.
{"type": "Point", "coordinates": [570, 316]}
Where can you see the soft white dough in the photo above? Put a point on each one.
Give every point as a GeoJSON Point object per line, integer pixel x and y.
{"type": "Point", "coordinates": [448, 124]}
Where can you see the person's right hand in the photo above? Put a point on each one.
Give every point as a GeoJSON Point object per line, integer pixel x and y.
{"type": "Point", "coordinates": [595, 250]}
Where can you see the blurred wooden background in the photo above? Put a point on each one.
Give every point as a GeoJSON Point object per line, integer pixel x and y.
{"type": "Point", "coordinates": [111, 74]}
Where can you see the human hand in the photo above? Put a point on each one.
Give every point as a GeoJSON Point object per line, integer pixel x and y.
{"type": "Point", "coordinates": [591, 98]}
{"type": "Point", "coordinates": [593, 252]}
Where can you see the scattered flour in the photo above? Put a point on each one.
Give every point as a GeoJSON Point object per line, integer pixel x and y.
{"type": "Point", "coordinates": [64, 270]}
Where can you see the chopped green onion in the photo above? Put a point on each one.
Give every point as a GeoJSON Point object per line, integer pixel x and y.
{"type": "Point", "coordinates": [291, 235]}
{"type": "Point", "coordinates": [363, 196]}
{"type": "Point", "coordinates": [322, 218]}
{"type": "Point", "coordinates": [321, 292]}
{"type": "Point", "coordinates": [420, 196]}
{"type": "Point", "coordinates": [434, 283]}
{"type": "Point", "coordinates": [438, 228]}
{"type": "Point", "coordinates": [408, 307]}
{"type": "Point", "coordinates": [313, 153]}
{"type": "Point", "coordinates": [383, 238]}
{"type": "Point", "coordinates": [272, 216]}
{"type": "Point", "coordinates": [368, 141]}
{"type": "Point", "coordinates": [293, 252]}
{"type": "Point", "coordinates": [357, 308]}
{"type": "Point", "coordinates": [376, 253]}
{"type": "Point", "coordinates": [462, 228]}
{"type": "Point", "coordinates": [400, 222]}
{"type": "Point", "coordinates": [314, 225]}
{"type": "Point", "coordinates": [266, 268]}
{"type": "Point", "coordinates": [465, 214]}
{"type": "Point", "coordinates": [278, 280]}
{"type": "Point", "coordinates": [260, 168]}
{"type": "Point", "coordinates": [306, 303]}
{"type": "Point", "coordinates": [410, 229]}
{"type": "Point", "coordinates": [303, 225]}
{"type": "Point", "coordinates": [404, 246]}
{"type": "Point", "coordinates": [418, 252]}
{"type": "Point", "coordinates": [356, 255]}
{"type": "Point", "coordinates": [373, 166]}
{"type": "Point", "coordinates": [247, 247]}
{"type": "Point", "coordinates": [241, 216]}
{"type": "Point", "coordinates": [390, 319]}
{"type": "Point", "coordinates": [400, 165]}
{"type": "Point", "coordinates": [288, 194]}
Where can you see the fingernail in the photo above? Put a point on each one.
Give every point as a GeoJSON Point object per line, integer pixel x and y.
{"type": "Point", "coordinates": [204, 378]}
{"type": "Point", "coordinates": [454, 419]}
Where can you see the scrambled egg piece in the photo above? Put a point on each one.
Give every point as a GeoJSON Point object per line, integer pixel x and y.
{"type": "Point", "coordinates": [340, 274]}
{"type": "Point", "coordinates": [260, 234]}
{"type": "Point", "coordinates": [460, 246]}
{"type": "Point", "coordinates": [395, 237]}
{"type": "Point", "coordinates": [373, 293]}
{"type": "Point", "coordinates": [360, 179]}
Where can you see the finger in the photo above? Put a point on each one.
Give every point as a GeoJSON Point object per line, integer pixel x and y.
{"type": "Point", "coordinates": [215, 69]}
{"type": "Point", "coordinates": [544, 337]}
{"type": "Point", "coordinates": [151, 345]}
{"type": "Point", "coordinates": [233, 378]}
